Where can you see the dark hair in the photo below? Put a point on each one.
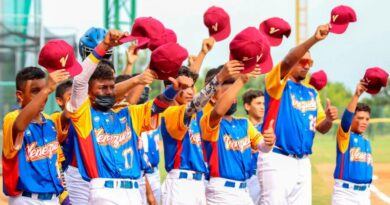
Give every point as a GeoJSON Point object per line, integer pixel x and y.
{"type": "Point", "coordinates": [250, 95]}
{"type": "Point", "coordinates": [121, 78]}
{"type": "Point", "coordinates": [104, 71]}
{"type": "Point", "coordinates": [61, 88]}
{"type": "Point", "coordinates": [363, 107]}
{"type": "Point", "coordinates": [184, 71]}
{"type": "Point", "coordinates": [28, 73]}
{"type": "Point", "coordinates": [212, 73]}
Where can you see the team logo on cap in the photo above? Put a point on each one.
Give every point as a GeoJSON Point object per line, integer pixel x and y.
{"type": "Point", "coordinates": [259, 57]}
{"type": "Point", "coordinates": [334, 17]}
{"type": "Point", "coordinates": [63, 60]}
{"type": "Point", "coordinates": [273, 30]}
{"type": "Point", "coordinates": [215, 27]}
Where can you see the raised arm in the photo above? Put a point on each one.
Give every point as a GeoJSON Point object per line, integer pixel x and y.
{"type": "Point", "coordinates": [207, 45]}
{"type": "Point", "coordinates": [32, 109]}
{"type": "Point", "coordinates": [139, 81]}
{"type": "Point", "coordinates": [132, 56]}
{"type": "Point", "coordinates": [298, 52]}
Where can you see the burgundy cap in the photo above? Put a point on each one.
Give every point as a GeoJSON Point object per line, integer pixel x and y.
{"type": "Point", "coordinates": [251, 47]}
{"type": "Point", "coordinates": [340, 17]}
{"type": "Point", "coordinates": [318, 80]}
{"type": "Point", "coordinates": [144, 29]}
{"type": "Point", "coordinates": [58, 54]}
{"type": "Point", "coordinates": [274, 29]}
{"type": "Point", "coordinates": [218, 22]}
{"type": "Point", "coordinates": [377, 78]}
{"type": "Point", "coordinates": [169, 36]}
{"type": "Point", "coordinates": [167, 59]}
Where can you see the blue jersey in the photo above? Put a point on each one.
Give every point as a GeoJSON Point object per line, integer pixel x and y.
{"type": "Point", "coordinates": [354, 157]}
{"type": "Point", "coordinates": [255, 153]}
{"type": "Point", "coordinates": [296, 109]}
{"type": "Point", "coordinates": [31, 165]}
{"type": "Point", "coordinates": [150, 144]}
{"type": "Point", "coordinates": [229, 147]}
{"type": "Point", "coordinates": [107, 142]}
{"type": "Point", "coordinates": [182, 144]}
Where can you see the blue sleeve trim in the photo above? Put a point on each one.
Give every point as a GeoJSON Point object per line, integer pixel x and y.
{"type": "Point", "coordinates": [170, 93]}
{"type": "Point", "coordinates": [346, 120]}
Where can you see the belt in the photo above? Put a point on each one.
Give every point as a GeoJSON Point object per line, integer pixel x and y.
{"type": "Point", "coordinates": [196, 176]}
{"type": "Point", "coordinates": [352, 186]}
{"type": "Point", "coordinates": [151, 170]}
{"type": "Point", "coordinates": [41, 196]}
{"type": "Point", "coordinates": [239, 185]}
{"type": "Point", "coordinates": [254, 172]}
{"type": "Point", "coordinates": [121, 184]}
{"type": "Point", "coordinates": [282, 152]}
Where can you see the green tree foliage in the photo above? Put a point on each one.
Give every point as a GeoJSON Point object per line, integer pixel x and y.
{"type": "Point", "coordinates": [338, 94]}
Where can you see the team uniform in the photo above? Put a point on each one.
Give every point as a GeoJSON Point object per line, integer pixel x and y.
{"type": "Point", "coordinates": [353, 173]}
{"type": "Point", "coordinates": [285, 173]}
{"type": "Point", "coordinates": [228, 148]}
{"type": "Point", "coordinates": [150, 143]}
{"type": "Point", "coordinates": [30, 169]}
{"type": "Point", "coordinates": [184, 158]}
{"type": "Point", "coordinates": [253, 182]}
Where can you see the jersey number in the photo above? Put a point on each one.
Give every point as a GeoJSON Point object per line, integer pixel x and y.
{"type": "Point", "coordinates": [128, 155]}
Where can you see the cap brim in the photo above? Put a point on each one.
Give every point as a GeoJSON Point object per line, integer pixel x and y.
{"type": "Point", "coordinates": [73, 71]}
{"type": "Point", "coordinates": [222, 35]}
{"type": "Point", "coordinates": [267, 65]}
{"type": "Point", "coordinates": [273, 41]}
{"type": "Point", "coordinates": [338, 28]}
{"type": "Point", "coordinates": [142, 42]}
{"type": "Point", "coordinates": [374, 89]}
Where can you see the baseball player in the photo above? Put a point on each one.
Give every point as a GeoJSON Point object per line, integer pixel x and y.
{"type": "Point", "coordinates": [228, 141]}
{"type": "Point", "coordinates": [106, 145]}
{"type": "Point", "coordinates": [353, 173]}
{"type": "Point", "coordinates": [285, 173]}
{"type": "Point", "coordinates": [30, 146]}
{"type": "Point", "coordinates": [254, 107]}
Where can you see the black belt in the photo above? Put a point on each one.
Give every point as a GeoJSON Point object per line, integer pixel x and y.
{"type": "Point", "coordinates": [282, 152]}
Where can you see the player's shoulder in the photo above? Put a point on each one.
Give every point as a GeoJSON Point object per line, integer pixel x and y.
{"type": "Point", "coordinates": [11, 115]}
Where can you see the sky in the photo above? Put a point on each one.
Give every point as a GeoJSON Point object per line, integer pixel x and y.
{"type": "Point", "coordinates": [343, 57]}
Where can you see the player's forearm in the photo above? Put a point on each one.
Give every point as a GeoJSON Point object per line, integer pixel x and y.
{"type": "Point", "coordinates": [80, 82]}
{"type": "Point", "coordinates": [202, 98]}
{"type": "Point", "coordinates": [296, 54]}
{"type": "Point", "coordinates": [164, 100]}
{"type": "Point", "coordinates": [195, 67]}
{"type": "Point", "coordinates": [135, 94]}
{"type": "Point", "coordinates": [123, 87]}
{"type": "Point", "coordinates": [128, 69]}
{"type": "Point", "coordinates": [324, 126]}
{"type": "Point", "coordinates": [264, 147]}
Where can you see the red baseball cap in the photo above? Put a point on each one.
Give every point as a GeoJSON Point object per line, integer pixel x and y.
{"type": "Point", "coordinates": [318, 80]}
{"type": "Point", "coordinates": [251, 47]}
{"type": "Point", "coordinates": [167, 59]}
{"type": "Point", "coordinates": [274, 29]}
{"type": "Point", "coordinates": [144, 29]}
{"type": "Point", "coordinates": [377, 78]}
{"type": "Point", "coordinates": [340, 17]}
{"type": "Point", "coordinates": [58, 54]}
{"type": "Point", "coordinates": [218, 22]}
{"type": "Point", "coordinates": [169, 36]}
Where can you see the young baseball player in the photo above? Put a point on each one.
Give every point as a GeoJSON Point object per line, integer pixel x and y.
{"type": "Point", "coordinates": [106, 145]}
{"type": "Point", "coordinates": [353, 173]}
{"type": "Point", "coordinates": [285, 173]}
{"type": "Point", "coordinates": [30, 145]}
{"type": "Point", "coordinates": [228, 142]}
{"type": "Point", "coordinates": [254, 107]}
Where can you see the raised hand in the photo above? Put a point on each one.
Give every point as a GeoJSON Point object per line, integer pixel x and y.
{"type": "Point", "coordinates": [181, 82]}
{"type": "Point", "coordinates": [269, 134]}
{"type": "Point", "coordinates": [131, 53]}
{"type": "Point", "coordinates": [112, 38]}
{"type": "Point", "coordinates": [231, 69]}
{"type": "Point", "coordinates": [331, 111]}
{"type": "Point", "coordinates": [146, 77]}
{"type": "Point", "coordinates": [361, 87]}
{"type": "Point", "coordinates": [256, 72]}
{"type": "Point", "coordinates": [322, 32]}
{"type": "Point", "coordinates": [55, 78]}
{"type": "Point", "coordinates": [207, 44]}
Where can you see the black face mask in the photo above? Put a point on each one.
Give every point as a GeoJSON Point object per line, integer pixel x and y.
{"type": "Point", "coordinates": [145, 96]}
{"type": "Point", "coordinates": [232, 109]}
{"type": "Point", "coordinates": [104, 103]}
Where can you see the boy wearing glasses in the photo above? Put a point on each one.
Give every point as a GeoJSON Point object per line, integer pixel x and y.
{"type": "Point", "coordinates": [285, 173]}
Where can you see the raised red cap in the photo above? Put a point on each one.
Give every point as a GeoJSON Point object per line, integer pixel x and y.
{"type": "Point", "coordinates": [274, 29]}
{"type": "Point", "coordinates": [218, 23]}
{"type": "Point", "coordinates": [318, 80]}
{"type": "Point", "coordinates": [251, 47]}
{"type": "Point", "coordinates": [340, 18]}
{"type": "Point", "coordinates": [167, 59]}
{"type": "Point", "coordinates": [58, 54]}
{"type": "Point", "coordinates": [377, 78]}
{"type": "Point", "coordinates": [169, 36]}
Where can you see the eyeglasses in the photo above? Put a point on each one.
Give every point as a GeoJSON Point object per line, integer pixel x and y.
{"type": "Point", "coordinates": [304, 62]}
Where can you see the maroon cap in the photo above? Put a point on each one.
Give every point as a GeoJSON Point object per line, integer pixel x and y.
{"type": "Point", "coordinates": [144, 29]}
{"type": "Point", "coordinates": [340, 17]}
{"type": "Point", "coordinates": [377, 78]}
{"type": "Point", "coordinates": [251, 47]}
{"type": "Point", "coordinates": [218, 22]}
{"type": "Point", "coordinates": [169, 36]}
{"type": "Point", "coordinates": [274, 29]}
{"type": "Point", "coordinates": [58, 54]}
{"type": "Point", "coordinates": [318, 80]}
{"type": "Point", "coordinates": [167, 59]}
